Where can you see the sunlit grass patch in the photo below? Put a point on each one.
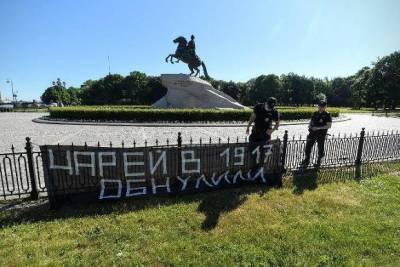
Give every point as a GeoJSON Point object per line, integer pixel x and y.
{"type": "Point", "coordinates": [341, 222]}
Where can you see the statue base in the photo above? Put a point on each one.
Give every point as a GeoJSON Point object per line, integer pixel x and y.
{"type": "Point", "coordinates": [186, 91]}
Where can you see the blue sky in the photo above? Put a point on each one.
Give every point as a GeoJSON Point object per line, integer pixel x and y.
{"type": "Point", "coordinates": [44, 39]}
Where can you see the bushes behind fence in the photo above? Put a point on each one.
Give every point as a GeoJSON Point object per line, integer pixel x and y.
{"type": "Point", "coordinates": [182, 115]}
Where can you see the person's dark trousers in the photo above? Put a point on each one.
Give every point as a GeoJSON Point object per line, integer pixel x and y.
{"type": "Point", "coordinates": [311, 139]}
{"type": "Point", "coordinates": [257, 140]}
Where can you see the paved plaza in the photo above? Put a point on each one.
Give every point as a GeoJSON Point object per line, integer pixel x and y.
{"type": "Point", "coordinates": [14, 127]}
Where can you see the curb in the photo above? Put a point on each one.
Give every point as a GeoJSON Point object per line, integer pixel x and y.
{"type": "Point", "coordinates": [166, 124]}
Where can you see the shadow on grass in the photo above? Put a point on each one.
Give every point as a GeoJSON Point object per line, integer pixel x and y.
{"type": "Point", "coordinates": [304, 180]}
{"type": "Point", "coordinates": [212, 205]}
{"type": "Point", "coordinates": [216, 204]}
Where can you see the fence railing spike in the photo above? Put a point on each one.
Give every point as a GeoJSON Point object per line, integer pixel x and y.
{"type": "Point", "coordinates": [228, 139]}
{"type": "Point", "coordinates": [134, 143]}
{"type": "Point", "coordinates": [98, 143]}
{"type": "Point", "coordinates": [167, 142]}
{"type": "Point", "coordinates": [122, 144]}
{"type": "Point", "coordinates": [179, 141]}
{"type": "Point", "coordinates": [110, 144]}
{"type": "Point", "coordinates": [209, 140]}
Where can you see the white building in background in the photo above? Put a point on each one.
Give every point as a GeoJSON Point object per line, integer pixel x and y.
{"type": "Point", "coordinates": [3, 99]}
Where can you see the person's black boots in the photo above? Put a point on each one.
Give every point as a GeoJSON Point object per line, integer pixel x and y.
{"type": "Point", "coordinates": [304, 163]}
{"type": "Point", "coordinates": [318, 164]}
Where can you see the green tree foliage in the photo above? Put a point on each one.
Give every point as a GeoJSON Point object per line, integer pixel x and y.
{"type": "Point", "coordinates": [232, 89]}
{"type": "Point", "coordinates": [135, 89]}
{"type": "Point", "coordinates": [264, 87]}
{"type": "Point", "coordinates": [359, 87]}
{"type": "Point", "coordinates": [340, 92]}
{"type": "Point", "coordinates": [385, 80]}
{"type": "Point", "coordinates": [296, 90]}
{"type": "Point", "coordinates": [104, 91]}
{"type": "Point", "coordinates": [58, 93]}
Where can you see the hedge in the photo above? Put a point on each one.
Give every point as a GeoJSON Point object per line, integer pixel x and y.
{"type": "Point", "coordinates": [101, 107]}
{"type": "Point", "coordinates": [171, 115]}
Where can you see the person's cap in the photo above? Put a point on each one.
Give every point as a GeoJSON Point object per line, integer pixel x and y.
{"type": "Point", "coordinates": [271, 101]}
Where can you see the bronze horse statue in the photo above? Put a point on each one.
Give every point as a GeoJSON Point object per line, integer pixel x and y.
{"type": "Point", "coordinates": [188, 56]}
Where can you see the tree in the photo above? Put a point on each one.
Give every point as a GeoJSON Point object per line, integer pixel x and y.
{"type": "Point", "coordinates": [340, 92]}
{"type": "Point", "coordinates": [297, 90]}
{"type": "Point", "coordinates": [156, 89]}
{"type": "Point", "coordinates": [231, 89]}
{"type": "Point", "coordinates": [264, 87]}
{"type": "Point", "coordinates": [243, 93]}
{"type": "Point", "coordinates": [359, 87]}
{"type": "Point", "coordinates": [104, 91]}
{"type": "Point", "coordinates": [75, 96]}
{"type": "Point", "coordinates": [57, 93]}
{"type": "Point", "coordinates": [385, 79]}
{"type": "Point", "coordinates": [134, 89]}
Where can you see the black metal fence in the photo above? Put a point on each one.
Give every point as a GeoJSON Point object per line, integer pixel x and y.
{"type": "Point", "coordinates": [21, 173]}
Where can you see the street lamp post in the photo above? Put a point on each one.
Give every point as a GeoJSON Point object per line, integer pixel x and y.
{"type": "Point", "coordinates": [14, 93]}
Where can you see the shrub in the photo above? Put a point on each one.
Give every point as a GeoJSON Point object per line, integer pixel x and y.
{"type": "Point", "coordinates": [181, 115]}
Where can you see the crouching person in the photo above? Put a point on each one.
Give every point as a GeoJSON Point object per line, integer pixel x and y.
{"type": "Point", "coordinates": [264, 114]}
{"type": "Point", "coordinates": [320, 122]}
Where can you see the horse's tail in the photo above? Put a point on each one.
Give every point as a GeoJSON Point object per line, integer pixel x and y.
{"type": "Point", "coordinates": [205, 70]}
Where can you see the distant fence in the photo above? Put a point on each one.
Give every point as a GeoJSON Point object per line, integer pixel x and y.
{"type": "Point", "coordinates": [21, 172]}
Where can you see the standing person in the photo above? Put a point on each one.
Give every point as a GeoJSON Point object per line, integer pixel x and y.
{"type": "Point", "coordinates": [318, 127]}
{"type": "Point", "coordinates": [263, 115]}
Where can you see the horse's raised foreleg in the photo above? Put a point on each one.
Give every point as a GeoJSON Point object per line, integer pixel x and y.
{"type": "Point", "coordinates": [169, 57]}
{"type": "Point", "coordinates": [172, 57]}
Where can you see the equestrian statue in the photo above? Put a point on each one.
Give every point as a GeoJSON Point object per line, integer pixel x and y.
{"type": "Point", "coordinates": [186, 52]}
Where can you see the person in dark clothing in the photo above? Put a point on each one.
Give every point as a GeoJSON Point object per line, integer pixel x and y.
{"type": "Point", "coordinates": [263, 115]}
{"type": "Point", "coordinates": [318, 127]}
{"type": "Point", "coordinates": [192, 45]}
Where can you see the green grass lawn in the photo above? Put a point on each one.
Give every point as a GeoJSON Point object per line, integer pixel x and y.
{"type": "Point", "coordinates": [327, 224]}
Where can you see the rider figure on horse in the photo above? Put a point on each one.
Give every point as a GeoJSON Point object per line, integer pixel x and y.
{"type": "Point", "coordinates": [191, 46]}
{"type": "Point", "coordinates": [186, 52]}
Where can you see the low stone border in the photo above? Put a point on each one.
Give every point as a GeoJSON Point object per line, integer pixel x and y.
{"type": "Point", "coordinates": [47, 120]}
